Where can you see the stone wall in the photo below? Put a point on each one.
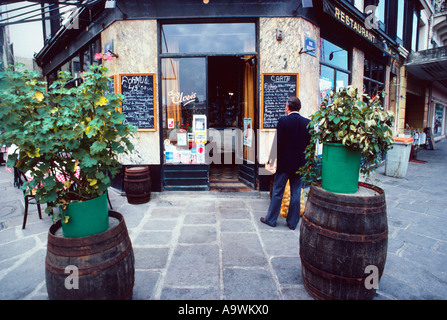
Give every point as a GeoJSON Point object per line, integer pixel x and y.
{"type": "Point", "coordinates": [284, 57]}
{"type": "Point", "coordinates": [135, 42]}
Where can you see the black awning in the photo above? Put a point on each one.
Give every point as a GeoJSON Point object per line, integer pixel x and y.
{"type": "Point", "coordinates": [430, 65]}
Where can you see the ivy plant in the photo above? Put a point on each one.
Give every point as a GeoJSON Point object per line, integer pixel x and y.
{"type": "Point", "coordinates": [68, 137]}
{"type": "Point", "coordinates": [354, 120]}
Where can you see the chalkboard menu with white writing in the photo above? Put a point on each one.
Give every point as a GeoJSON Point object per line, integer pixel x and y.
{"type": "Point", "coordinates": [139, 106]}
{"type": "Point", "coordinates": [276, 89]}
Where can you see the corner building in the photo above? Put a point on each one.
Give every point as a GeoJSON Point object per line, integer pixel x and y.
{"type": "Point", "coordinates": [206, 81]}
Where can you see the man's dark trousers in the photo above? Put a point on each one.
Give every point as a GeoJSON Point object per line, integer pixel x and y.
{"type": "Point", "coordinates": [279, 185]}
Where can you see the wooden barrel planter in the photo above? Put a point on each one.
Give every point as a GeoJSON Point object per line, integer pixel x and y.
{"type": "Point", "coordinates": [97, 267]}
{"type": "Point", "coordinates": [137, 184]}
{"type": "Point", "coordinates": [340, 236]}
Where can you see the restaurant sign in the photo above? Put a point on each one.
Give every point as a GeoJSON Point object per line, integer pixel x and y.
{"type": "Point", "coordinates": [353, 23]}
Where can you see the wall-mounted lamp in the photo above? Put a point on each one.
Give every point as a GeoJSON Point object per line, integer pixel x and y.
{"type": "Point", "coordinates": [206, 1]}
{"type": "Point", "coordinates": [279, 34]}
{"type": "Point", "coordinates": [301, 51]}
{"type": "Point", "coordinates": [331, 55]}
{"type": "Point", "coordinates": [110, 4]}
{"type": "Point", "coordinates": [113, 54]}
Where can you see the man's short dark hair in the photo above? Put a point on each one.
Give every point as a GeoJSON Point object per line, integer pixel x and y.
{"type": "Point", "coordinates": [294, 104]}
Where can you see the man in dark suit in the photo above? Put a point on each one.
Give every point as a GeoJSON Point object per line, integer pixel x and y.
{"type": "Point", "coordinates": [292, 137]}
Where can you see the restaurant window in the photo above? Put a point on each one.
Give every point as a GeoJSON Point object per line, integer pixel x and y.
{"type": "Point", "coordinates": [415, 31]}
{"type": "Point", "coordinates": [373, 77]}
{"type": "Point", "coordinates": [184, 99]}
{"type": "Point", "coordinates": [439, 119]}
{"type": "Point", "coordinates": [209, 37]}
{"type": "Point", "coordinates": [334, 73]}
{"type": "Point", "coordinates": [400, 20]}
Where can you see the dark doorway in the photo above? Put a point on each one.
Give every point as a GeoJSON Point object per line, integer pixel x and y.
{"type": "Point", "coordinates": [227, 112]}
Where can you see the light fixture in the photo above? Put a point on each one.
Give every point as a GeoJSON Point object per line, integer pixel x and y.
{"type": "Point", "coordinates": [110, 4]}
{"type": "Point", "coordinates": [331, 55]}
{"type": "Point", "coordinates": [113, 54]}
{"type": "Point", "coordinates": [206, 1]}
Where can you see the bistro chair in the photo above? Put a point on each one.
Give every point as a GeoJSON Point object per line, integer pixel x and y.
{"type": "Point", "coordinates": [28, 198]}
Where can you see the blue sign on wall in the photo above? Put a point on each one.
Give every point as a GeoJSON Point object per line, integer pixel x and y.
{"type": "Point", "coordinates": [310, 46]}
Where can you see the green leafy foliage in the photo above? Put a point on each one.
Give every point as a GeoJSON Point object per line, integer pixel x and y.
{"type": "Point", "coordinates": [357, 121]}
{"type": "Point", "coordinates": [62, 129]}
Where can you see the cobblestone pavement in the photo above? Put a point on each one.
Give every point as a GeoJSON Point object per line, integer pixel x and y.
{"type": "Point", "coordinates": [212, 246]}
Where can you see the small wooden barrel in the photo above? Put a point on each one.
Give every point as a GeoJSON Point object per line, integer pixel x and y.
{"type": "Point", "coordinates": [341, 237]}
{"type": "Point", "coordinates": [97, 267]}
{"type": "Point", "coordinates": [137, 184]}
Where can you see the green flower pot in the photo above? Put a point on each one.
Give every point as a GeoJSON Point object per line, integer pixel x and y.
{"type": "Point", "coordinates": [340, 168]}
{"type": "Point", "coordinates": [86, 218]}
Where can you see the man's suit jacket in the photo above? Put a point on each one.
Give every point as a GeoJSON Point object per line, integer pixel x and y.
{"type": "Point", "coordinates": [292, 139]}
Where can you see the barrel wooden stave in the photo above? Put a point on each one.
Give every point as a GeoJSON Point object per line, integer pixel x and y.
{"type": "Point", "coordinates": [104, 262]}
{"type": "Point", "coordinates": [340, 235]}
{"type": "Point", "coordinates": [137, 184]}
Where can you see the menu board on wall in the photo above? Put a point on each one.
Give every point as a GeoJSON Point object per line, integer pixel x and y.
{"type": "Point", "coordinates": [111, 86]}
{"type": "Point", "coordinates": [139, 106]}
{"type": "Point", "coordinates": [276, 89]}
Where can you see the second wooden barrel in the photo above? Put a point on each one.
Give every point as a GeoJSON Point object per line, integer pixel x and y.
{"type": "Point", "coordinates": [343, 243]}
{"type": "Point", "coordinates": [137, 184]}
{"type": "Point", "coordinates": [97, 267]}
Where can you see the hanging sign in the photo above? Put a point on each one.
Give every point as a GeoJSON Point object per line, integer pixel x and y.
{"type": "Point", "coordinates": [348, 20]}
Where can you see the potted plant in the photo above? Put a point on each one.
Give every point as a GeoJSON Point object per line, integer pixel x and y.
{"type": "Point", "coordinates": [68, 138]}
{"type": "Point", "coordinates": [344, 234]}
{"type": "Point", "coordinates": [355, 132]}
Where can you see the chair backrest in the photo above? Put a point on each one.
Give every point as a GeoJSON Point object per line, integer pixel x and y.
{"type": "Point", "coordinates": [21, 178]}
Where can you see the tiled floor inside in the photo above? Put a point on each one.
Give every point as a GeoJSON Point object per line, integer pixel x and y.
{"type": "Point", "coordinates": [225, 178]}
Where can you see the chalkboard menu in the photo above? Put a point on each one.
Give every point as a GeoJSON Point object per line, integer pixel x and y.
{"type": "Point", "coordinates": [276, 89]}
{"type": "Point", "coordinates": [111, 86]}
{"type": "Point", "coordinates": [139, 107]}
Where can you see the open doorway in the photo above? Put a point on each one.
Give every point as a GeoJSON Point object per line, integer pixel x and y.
{"type": "Point", "coordinates": [231, 106]}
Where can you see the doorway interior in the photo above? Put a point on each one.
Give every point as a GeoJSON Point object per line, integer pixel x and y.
{"type": "Point", "coordinates": [231, 102]}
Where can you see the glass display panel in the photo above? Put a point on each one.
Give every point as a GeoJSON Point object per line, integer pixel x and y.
{"type": "Point", "coordinates": [184, 105]}
{"type": "Point", "coordinates": [332, 54]}
{"type": "Point", "coordinates": [208, 37]}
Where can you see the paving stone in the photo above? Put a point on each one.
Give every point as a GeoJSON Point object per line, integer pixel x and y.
{"type": "Point", "coordinates": [151, 258]}
{"type": "Point", "coordinates": [239, 225]}
{"type": "Point", "coordinates": [200, 218]}
{"type": "Point", "coordinates": [284, 242]}
{"type": "Point", "coordinates": [145, 285]}
{"type": "Point", "coordinates": [190, 294]}
{"type": "Point", "coordinates": [148, 238]}
{"type": "Point", "coordinates": [249, 284]}
{"type": "Point", "coordinates": [197, 234]}
{"type": "Point", "coordinates": [288, 270]}
{"type": "Point", "coordinates": [242, 249]}
{"type": "Point", "coordinates": [194, 265]}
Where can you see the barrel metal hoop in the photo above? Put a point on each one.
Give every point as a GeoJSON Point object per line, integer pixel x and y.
{"type": "Point", "coordinates": [137, 180]}
{"type": "Point", "coordinates": [344, 236]}
{"type": "Point", "coordinates": [86, 250]}
{"type": "Point", "coordinates": [331, 276]}
{"type": "Point", "coordinates": [92, 269]}
{"type": "Point", "coordinates": [352, 208]}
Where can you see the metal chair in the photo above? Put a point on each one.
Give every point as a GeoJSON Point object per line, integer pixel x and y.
{"type": "Point", "coordinates": [28, 197]}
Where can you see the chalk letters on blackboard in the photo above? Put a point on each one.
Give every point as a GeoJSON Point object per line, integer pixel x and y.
{"type": "Point", "coordinates": [139, 105]}
{"type": "Point", "coordinates": [276, 89]}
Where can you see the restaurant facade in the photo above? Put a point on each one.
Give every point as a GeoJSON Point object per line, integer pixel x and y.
{"type": "Point", "coordinates": [206, 81]}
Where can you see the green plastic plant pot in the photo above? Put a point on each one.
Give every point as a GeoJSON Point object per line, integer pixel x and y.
{"type": "Point", "coordinates": [340, 168]}
{"type": "Point", "coordinates": [86, 218]}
